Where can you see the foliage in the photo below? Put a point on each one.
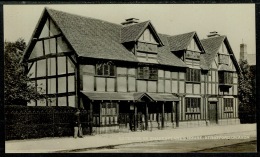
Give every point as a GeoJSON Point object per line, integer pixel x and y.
{"type": "Point", "coordinates": [247, 92]}
{"type": "Point", "coordinates": [17, 87]}
{"type": "Point", "coordinates": [23, 122]}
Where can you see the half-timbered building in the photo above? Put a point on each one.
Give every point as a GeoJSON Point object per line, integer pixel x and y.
{"type": "Point", "coordinates": [130, 76]}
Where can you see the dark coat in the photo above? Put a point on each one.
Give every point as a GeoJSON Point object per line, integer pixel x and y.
{"type": "Point", "coordinates": [76, 120]}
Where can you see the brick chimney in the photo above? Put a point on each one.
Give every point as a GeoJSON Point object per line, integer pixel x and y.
{"type": "Point", "coordinates": [213, 34]}
{"type": "Point", "coordinates": [130, 21]}
{"type": "Point", "coordinates": [243, 51]}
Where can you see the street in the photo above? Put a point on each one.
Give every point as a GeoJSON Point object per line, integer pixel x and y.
{"type": "Point", "coordinates": [237, 142]}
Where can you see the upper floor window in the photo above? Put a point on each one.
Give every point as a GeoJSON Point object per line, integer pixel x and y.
{"type": "Point", "coordinates": [223, 58]}
{"type": "Point", "coordinates": [225, 77]}
{"type": "Point", "coordinates": [105, 69]}
{"type": "Point", "coordinates": [228, 104]}
{"type": "Point", "coordinates": [193, 55]}
{"type": "Point", "coordinates": [146, 72]}
{"type": "Point", "coordinates": [193, 75]}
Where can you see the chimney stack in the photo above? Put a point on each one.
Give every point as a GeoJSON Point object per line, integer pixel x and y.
{"type": "Point", "coordinates": [243, 51]}
{"type": "Point", "coordinates": [213, 34]}
{"type": "Point", "coordinates": [130, 21]}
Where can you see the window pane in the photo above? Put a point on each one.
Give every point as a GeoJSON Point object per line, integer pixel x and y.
{"type": "Point", "coordinates": [51, 66]}
{"type": "Point", "coordinates": [140, 72]}
{"type": "Point", "coordinates": [62, 101]}
{"type": "Point", "coordinates": [41, 68]}
{"type": "Point", "coordinates": [51, 86]}
{"type": "Point", "coordinates": [71, 66]}
{"type": "Point", "coordinates": [61, 65]}
{"type": "Point", "coordinates": [31, 73]}
{"type": "Point", "coordinates": [99, 69]}
{"type": "Point", "coordinates": [62, 84]}
{"type": "Point", "coordinates": [72, 101]}
{"type": "Point", "coordinates": [112, 70]}
{"type": "Point", "coordinates": [106, 69]}
{"type": "Point", "coordinates": [71, 83]}
{"type": "Point", "coordinates": [153, 73]}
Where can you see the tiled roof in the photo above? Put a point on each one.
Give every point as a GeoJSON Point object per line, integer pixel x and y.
{"type": "Point", "coordinates": [132, 32]}
{"type": "Point", "coordinates": [91, 37]}
{"type": "Point", "coordinates": [129, 96]}
{"type": "Point", "coordinates": [211, 47]}
{"type": "Point", "coordinates": [108, 96]}
{"type": "Point", "coordinates": [165, 56]}
{"type": "Point", "coordinates": [180, 42]}
{"type": "Point", "coordinates": [95, 38]}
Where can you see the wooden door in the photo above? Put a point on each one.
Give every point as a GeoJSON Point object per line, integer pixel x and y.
{"type": "Point", "coordinates": [213, 112]}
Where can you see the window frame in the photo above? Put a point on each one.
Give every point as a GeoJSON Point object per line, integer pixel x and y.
{"type": "Point", "coordinates": [228, 103]}
{"type": "Point", "coordinates": [193, 75]}
{"type": "Point", "coordinates": [192, 104]}
{"type": "Point", "coordinates": [225, 77]}
{"type": "Point", "coordinates": [147, 73]}
{"type": "Point", "coordinates": [106, 68]}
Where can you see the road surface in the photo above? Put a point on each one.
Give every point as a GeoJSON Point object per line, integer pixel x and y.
{"type": "Point", "coordinates": [235, 142]}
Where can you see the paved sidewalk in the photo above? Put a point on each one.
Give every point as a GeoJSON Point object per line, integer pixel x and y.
{"type": "Point", "coordinates": [66, 144]}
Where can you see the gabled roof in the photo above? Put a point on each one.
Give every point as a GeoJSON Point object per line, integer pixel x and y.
{"type": "Point", "coordinates": [91, 37]}
{"type": "Point", "coordinates": [166, 57]}
{"type": "Point", "coordinates": [181, 41]}
{"type": "Point", "coordinates": [212, 46]}
{"type": "Point", "coordinates": [133, 32]}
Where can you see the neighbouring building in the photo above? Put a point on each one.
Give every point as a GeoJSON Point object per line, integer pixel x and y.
{"type": "Point", "coordinates": [128, 73]}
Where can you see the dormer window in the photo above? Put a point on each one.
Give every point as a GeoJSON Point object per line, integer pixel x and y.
{"type": "Point", "coordinates": [193, 55]}
{"type": "Point", "coordinates": [223, 59]}
{"type": "Point", "coordinates": [146, 47]}
{"type": "Point", "coordinates": [105, 69]}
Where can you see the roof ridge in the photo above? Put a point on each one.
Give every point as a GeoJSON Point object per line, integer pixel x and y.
{"type": "Point", "coordinates": [125, 26]}
{"type": "Point", "coordinates": [181, 34]}
{"type": "Point", "coordinates": [47, 8]}
{"type": "Point", "coordinates": [222, 36]}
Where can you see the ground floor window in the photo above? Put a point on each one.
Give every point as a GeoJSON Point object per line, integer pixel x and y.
{"type": "Point", "coordinates": [192, 105]}
{"type": "Point", "coordinates": [109, 113]}
{"type": "Point", "coordinates": [228, 104]}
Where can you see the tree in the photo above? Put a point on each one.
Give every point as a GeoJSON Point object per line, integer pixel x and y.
{"type": "Point", "coordinates": [247, 93]}
{"type": "Point", "coordinates": [18, 89]}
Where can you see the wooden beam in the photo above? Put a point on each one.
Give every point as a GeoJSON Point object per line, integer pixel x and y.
{"type": "Point", "coordinates": [162, 115]}
{"type": "Point", "coordinates": [146, 116]}
{"type": "Point", "coordinates": [177, 113]}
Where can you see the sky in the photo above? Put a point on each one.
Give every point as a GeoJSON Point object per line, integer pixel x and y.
{"type": "Point", "coordinates": [236, 21]}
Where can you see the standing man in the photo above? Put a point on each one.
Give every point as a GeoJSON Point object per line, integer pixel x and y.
{"type": "Point", "coordinates": [77, 125]}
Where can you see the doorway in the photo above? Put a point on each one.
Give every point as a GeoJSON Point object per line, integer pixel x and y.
{"type": "Point", "coordinates": [213, 112]}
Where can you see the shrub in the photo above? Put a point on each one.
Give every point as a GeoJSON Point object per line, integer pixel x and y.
{"type": "Point", "coordinates": [24, 122]}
